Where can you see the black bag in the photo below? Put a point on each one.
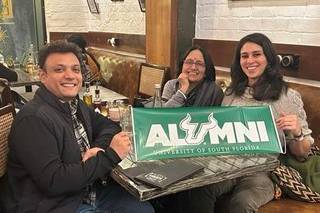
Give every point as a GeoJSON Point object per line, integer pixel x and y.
{"type": "Point", "coordinates": [8, 74]}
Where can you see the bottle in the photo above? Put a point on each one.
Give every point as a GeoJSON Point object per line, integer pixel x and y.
{"type": "Point", "coordinates": [157, 96]}
{"type": "Point", "coordinates": [30, 60]}
{"type": "Point", "coordinates": [104, 108]}
{"type": "Point", "coordinates": [16, 63]}
{"type": "Point", "coordinates": [87, 97]}
{"type": "Point", "coordinates": [2, 60]}
{"type": "Point", "coordinates": [97, 99]}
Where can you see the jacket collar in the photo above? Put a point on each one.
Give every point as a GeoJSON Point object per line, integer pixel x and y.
{"type": "Point", "coordinates": [45, 95]}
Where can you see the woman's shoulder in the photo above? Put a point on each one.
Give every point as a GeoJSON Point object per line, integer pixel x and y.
{"type": "Point", "coordinates": [171, 84]}
{"type": "Point", "coordinates": [227, 99]}
{"type": "Point", "coordinates": [172, 81]}
{"type": "Point", "coordinates": [293, 96]}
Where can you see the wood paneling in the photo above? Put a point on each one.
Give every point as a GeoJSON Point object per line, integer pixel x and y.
{"type": "Point", "coordinates": [132, 43]}
{"type": "Point", "coordinates": [161, 22]}
{"type": "Point", "coordinates": [222, 54]}
{"type": "Point", "coordinates": [127, 42]}
{"type": "Point", "coordinates": [62, 35]}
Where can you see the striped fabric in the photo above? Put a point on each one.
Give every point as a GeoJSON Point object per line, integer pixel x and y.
{"type": "Point", "coordinates": [83, 142]}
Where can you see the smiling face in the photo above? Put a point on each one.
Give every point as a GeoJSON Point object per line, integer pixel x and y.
{"type": "Point", "coordinates": [62, 76]}
{"type": "Point", "coordinates": [194, 66]}
{"type": "Point", "coordinates": [253, 61]}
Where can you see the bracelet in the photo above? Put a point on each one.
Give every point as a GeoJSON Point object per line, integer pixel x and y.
{"type": "Point", "coordinates": [299, 137]}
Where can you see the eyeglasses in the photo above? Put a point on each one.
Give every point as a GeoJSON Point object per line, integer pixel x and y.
{"type": "Point", "coordinates": [198, 64]}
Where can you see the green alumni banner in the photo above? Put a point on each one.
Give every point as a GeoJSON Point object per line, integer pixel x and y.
{"type": "Point", "coordinates": [161, 133]}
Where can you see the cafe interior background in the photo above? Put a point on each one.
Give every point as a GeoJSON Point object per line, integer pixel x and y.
{"type": "Point", "coordinates": [162, 31]}
{"type": "Point", "coordinates": [159, 32]}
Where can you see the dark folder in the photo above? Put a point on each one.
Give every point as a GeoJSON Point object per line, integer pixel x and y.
{"type": "Point", "coordinates": [169, 173]}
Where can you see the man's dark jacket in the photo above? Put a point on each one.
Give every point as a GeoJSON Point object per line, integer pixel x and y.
{"type": "Point", "coordinates": [45, 172]}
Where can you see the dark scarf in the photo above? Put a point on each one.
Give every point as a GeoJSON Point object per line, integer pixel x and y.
{"type": "Point", "coordinates": [206, 93]}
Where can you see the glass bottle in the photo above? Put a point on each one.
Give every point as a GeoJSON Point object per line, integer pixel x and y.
{"type": "Point", "coordinates": [2, 61]}
{"type": "Point", "coordinates": [30, 62]}
{"type": "Point", "coordinates": [87, 97]}
{"type": "Point", "coordinates": [157, 103]}
{"type": "Point", "coordinates": [97, 99]}
{"type": "Point", "coordinates": [16, 63]}
{"type": "Point", "coordinates": [104, 108]}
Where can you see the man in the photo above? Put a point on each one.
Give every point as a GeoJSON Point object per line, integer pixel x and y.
{"type": "Point", "coordinates": [60, 149]}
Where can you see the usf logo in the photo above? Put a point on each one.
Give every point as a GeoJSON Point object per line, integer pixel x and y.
{"type": "Point", "coordinates": [195, 133]}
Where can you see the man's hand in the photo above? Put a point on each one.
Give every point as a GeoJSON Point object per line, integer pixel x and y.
{"type": "Point", "coordinates": [91, 153]}
{"type": "Point", "coordinates": [121, 144]}
{"type": "Point", "coordinates": [183, 82]}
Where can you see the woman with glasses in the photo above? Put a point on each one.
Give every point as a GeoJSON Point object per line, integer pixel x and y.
{"type": "Point", "coordinates": [195, 85]}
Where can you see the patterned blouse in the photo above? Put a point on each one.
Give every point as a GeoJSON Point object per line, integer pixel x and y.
{"type": "Point", "coordinates": [289, 103]}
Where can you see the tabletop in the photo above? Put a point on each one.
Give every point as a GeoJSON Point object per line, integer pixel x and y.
{"type": "Point", "coordinates": [216, 169]}
{"type": "Point", "coordinates": [25, 79]}
{"type": "Point", "coordinates": [105, 94]}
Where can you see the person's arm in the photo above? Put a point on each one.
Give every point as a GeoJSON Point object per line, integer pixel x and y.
{"type": "Point", "coordinates": [296, 124]}
{"type": "Point", "coordinates": [173, 97]}
{"type": "Point", "coordinates": [40, 156]}
{"type": "Point", "coordinates": [103, 130]}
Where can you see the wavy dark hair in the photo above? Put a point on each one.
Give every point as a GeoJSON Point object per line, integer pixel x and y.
{"type": "Point", "coordinates": [210, 72]}
{"type": "Point", "coordinates": [270, 84]}
{"type": "Point", "coordinates": [59, 46]}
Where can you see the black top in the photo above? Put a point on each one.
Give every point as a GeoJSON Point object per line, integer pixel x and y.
{"type": "Point", "coordinates": [7, 73]}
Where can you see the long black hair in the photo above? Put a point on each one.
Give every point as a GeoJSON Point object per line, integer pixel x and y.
{"type": "Point", "coordinates": [79, 40]}
{"type": "Point", "coordinates": [270, 84]}
{"type": "Point", "coordinates": [210, 72]}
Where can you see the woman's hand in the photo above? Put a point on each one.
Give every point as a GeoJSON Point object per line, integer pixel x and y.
{"type": "Point", "coordinates": [183, 82]}
{"type": "Point", "coordinates": [289, 123]}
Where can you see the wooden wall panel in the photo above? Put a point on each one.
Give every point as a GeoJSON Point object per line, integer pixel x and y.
{"type": "Point", "coordinates": [222, 54]}
{"type": "Point", "coordinates": [161, 22]}
{"type": "Point", "coordinates": [131, 43]}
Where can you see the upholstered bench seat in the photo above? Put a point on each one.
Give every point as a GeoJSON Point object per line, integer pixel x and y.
{"type": "Point", "coordinates": [289, 206]}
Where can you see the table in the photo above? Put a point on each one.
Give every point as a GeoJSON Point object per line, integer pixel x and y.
{"type": "Point", "coordinates": [25, 79]}
{"type": "Point", "coordinates": [105, 94]}
{"type": "Point", "coordinates": [26, 96]}
{"type": "Point", "coordinates": [217, 169]}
